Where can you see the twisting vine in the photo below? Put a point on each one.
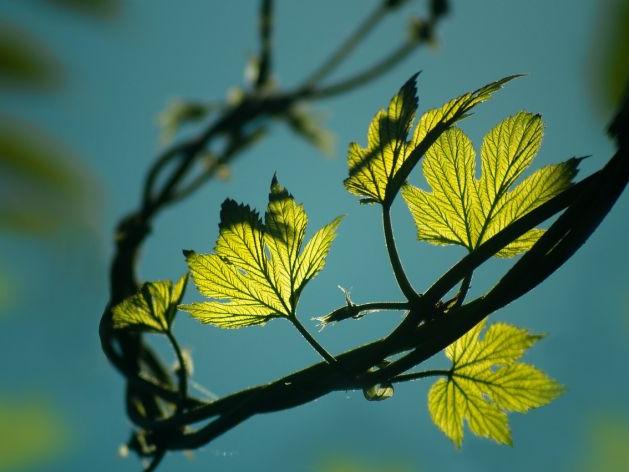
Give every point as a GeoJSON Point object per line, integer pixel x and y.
{"type": "Point", "coordinates": [259, 268]}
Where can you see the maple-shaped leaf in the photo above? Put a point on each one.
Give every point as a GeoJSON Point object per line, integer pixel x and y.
{"type": "Point", "coordinates": [378, 171]}
{"type": "Point", "coordinates": [258, 270]}
{"type": "Point", "coordinates": [486, 381]}
{"type": "Point", "coordinates": [467, 211]}
{"type": "Point", "coordinates": [153, 307]}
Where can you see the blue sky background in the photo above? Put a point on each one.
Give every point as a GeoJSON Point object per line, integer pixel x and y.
{"type": "Point", "coordinates": [121, 74]}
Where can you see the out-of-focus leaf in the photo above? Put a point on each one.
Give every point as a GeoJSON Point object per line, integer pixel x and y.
{"type": "Point", "coordinates": [609, 64]}
{"type": "Point", "coordinates": [98, 8]}
{"type": "Point", "coordinates": [26, 62]}
{"type": "Point", "coordinates": [607, 450]}
{"type": "Point", "coordinates": [179, 113]}
{"type": "Point", "coordinates": [344, 463]}
{"type": "Point", "coordinates": [41, 189]}
{"type": "Point", "coordinates": [309, 126]}
{"type": "Point", "coordinates": [31, 434]}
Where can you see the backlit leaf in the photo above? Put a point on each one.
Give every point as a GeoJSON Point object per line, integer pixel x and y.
{"type": "Point", "coordinates": [467, 211]}
{"type": "Point", "coordinates": [382, 167]}
{"type": "Point", "coordinates": [487, 382]}
{"type": "Point", "coordinates": [153, 307]}
{"type": "Point", "coordinates": [257, 270]}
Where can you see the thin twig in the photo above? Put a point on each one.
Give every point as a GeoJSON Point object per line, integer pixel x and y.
{"type": "Point", "coordinates": [364, 77]}
{"type": "Point", "coordinates": [345, 49]}
{"type": "Point", "coordinates": [182, 372]}
{"type": "Point", "coordinates": [356, 311]}
{"type": "Point", "coordinates": [266, 20]}
{"type": "Point", "coordinates": [157, 459]}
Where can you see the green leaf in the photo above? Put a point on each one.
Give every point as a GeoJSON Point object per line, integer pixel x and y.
{"type": "Point", "coordinates": [41, 187]}
{"type": "Point", "coordinates": [179, 113]}
{"type": "Point", "coordinates": [105, 9]}
{"type": "Point", "coordinates": [467, 211]}
{"type": "Point", "coordinates": [258, 270]}
{"type": "Point", "coordinates": [152, 308]}
{"type": "Point", "coordinates": [34, 434]}
{"type": "Point", "coordinates": [378, 171]}
{"type": "Point", "coordinates": [309, 125]}
{"type": "Point", "coordinates": [26, 62]}
{"type": "Point", "coordinates": [487, 382]}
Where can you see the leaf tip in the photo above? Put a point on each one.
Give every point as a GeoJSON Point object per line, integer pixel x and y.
{"type": "Point", "coordinates": [187, 253]}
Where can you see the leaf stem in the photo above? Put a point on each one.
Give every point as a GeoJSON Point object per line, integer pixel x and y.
{"type": "Point", "coordinates": [182, 372]}
{"type": "Point", "coordinates": [419, 375]}
{"type": "Point", "coordinates": [396, 263]}
{"type": "Point", "coordinates": [372, 72]}
{"type": "Point", "coordinates": [347, 46]}
{"type": "Point", "coordinates": [157, 459]}
{"type": "Point", "coordinates": [313, 342]}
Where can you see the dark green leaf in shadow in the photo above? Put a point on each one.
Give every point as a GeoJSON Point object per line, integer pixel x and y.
{"type": "Point", "coordinates": [309, 126]}
{"type": "Point", "coordinates": [26, 62]}
{"type": "Point", "coordinates": [105, 9]}
{"type": "Point", "coordinates": [609, 56]}
{"type": "Point", "coordinates": [41, 188]}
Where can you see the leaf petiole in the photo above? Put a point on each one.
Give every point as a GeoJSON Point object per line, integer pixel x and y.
{"type": "Point", "coordinates": [312, 341]}
{"type": "Point", "coordinates": [182, 372]}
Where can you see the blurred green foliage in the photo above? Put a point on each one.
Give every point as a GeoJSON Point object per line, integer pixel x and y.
{"type": "Point", "coordinates": [607, 450]}
{"type": "Point", "coordinates": [345, 463]}
{"type": "Point", "coordinates": [26, 62]}
{"type": "Point", "coordinates": [99, 8]}
{"type": "Point", "coordinates": [41, 187]}
{"type": "Point", "coordinates": [31, 433]}
{"type": "Point", "coordinates": [609, 61]}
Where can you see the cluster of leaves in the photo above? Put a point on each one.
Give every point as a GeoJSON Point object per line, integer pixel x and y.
{"type": "Point", "coordinates": [258, 268]}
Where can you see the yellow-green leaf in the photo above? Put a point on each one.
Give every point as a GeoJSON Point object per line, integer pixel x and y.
{"type": "Point", "coordinates": [377, 171]}
{"type": "Point", "coordinates": [257, 270]}
{"type": "Point", "coordinates": [153, 307]}
{"type": "Point", "coordinates": [486, 382]}
{"type": "Point", "coordinates": [371, 168]}
{"type": "Point", "coordinates": [467, 211]}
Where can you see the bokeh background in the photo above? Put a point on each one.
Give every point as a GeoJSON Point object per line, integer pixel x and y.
{"type": "Point", "coordinates": [82, 86]}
